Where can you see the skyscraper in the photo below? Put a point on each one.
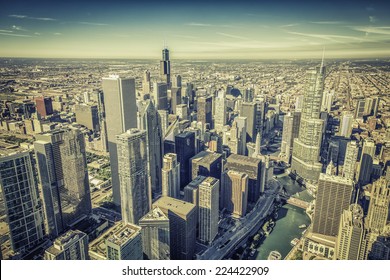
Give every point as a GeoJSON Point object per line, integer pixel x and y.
{"type": "Point", "coordinates": [191, 191]}
{"type": "Point", "coordinates": [208, 213]}
{"type": "Point", "coordinates": [155, 235]}
{"type": "Point", "coordinates": [175, 98]}
{"type": "Point", "coordinates": [63, 174]}
{"type": "Point", "coordinates": [352, 236]}
{"type": "Point", "coordinates": [146, 82]}
{"type": "Point", "coordinates": [160, 95]}
{"type": "Point", "coordinates": [88, 116]}
{"type": "Point", "coordinates": [220, 110]}
{"type": "Point", "coordinates": [333, 196]}
{"type": "Point", "coordinates": [366, 161]}
{"type": "Point", "coordinates": [346, 124]}
{"type": "Point", "coordinates": [351, 155]}
{"type": "Point", "coordinates": [72, 245]}
{"type": "Point", "coordinates": [165, 67]}
{"type": "Point", "coordinates": [44, 106]}
{"type": "Point", "coordinates": [182, 224]}
{"type": "Point", "coordinates": [176, 82]}
{"type": "Point", "coordinates": [378, 210]}
{"type": "Point", "coordinates": [149, 120]}
{"type": "Point", "coordinates": [306, 152]}
{"type": "Point", "coordinates": [287, 136]}
{"type": "Point", "coordinates": [252, 167]}
{"type": "Point", "coordinates": [206, 164]}
{"type": "Point", "coordinates": [121, 115]}
{"type": "Point", "coordinates": [185, 149]}
{"type": "Point", "coordinates": [134, 178]}
{"type": "Point", "coordinates": [248, 110]}
{"type": "Point", "coordinates": [234, 192]}
{"type": "Point", "coordinates": [360, 108]}
{"type": "Point", "coordinates": [205, 112]}
{"type": "Point", "coordinates": [171, 176]}
{"type": "Point", "coordinates": [22, 203]}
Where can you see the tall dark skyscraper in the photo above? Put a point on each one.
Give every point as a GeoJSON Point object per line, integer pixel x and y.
{"type": "Point", "coordinates": [165, 67]}
{"type": "Point", "coordinates": [185, 149]}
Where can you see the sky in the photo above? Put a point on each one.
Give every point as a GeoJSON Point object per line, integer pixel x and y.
{"type": "Point", "coordinates": [244, 29]}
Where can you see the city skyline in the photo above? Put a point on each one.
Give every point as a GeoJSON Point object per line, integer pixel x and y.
{"type": "Point", "coordinates": [202, 30]}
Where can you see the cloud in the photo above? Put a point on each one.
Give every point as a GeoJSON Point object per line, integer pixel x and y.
{"type": "Point", "coordinates": [232, 36]}
{"type": "Point", "coordinates": [34, 18]}
{"type": "Point", "coordinates": [9, 31]}
{"type": "Point", "coordinates": [15, 35]}
{"type": "Point", "coordinates": [19, 28]}
{"type": "Point", "coordinates": [385, 30]}
{"type": "Point", "coordinates": [184, 36]}
{"type": "Point", "coordinates": [328, 22]}
{"type": "Point", "coordinates": [373, 19]}
{"type": "Point", "coordinates": [198, 24]}
{"type": "Point", "coordinates": [57, 34]}
{"type": "Point", "coordinates": [290, 25]}
{"type": "Point", "coordinates": [328, 37]}
{"type": "Point", "coordinates": [93, 23]}
{"type": "Point", "coordinates": [37, 33]}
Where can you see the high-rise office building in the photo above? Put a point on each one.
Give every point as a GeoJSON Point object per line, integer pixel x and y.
{"type": "Point", "coordinates": [155, 235]}
{"type": "Point", "coordinates": [252, 167]}
{"type": "Point", "coordinates": [220, 110]}
{"type": "Point", "coordinates": [22, 203]}
{"type": "Point", "coordinates": [134, 178]}
{"type": "Point", "coordinates": [121, 115]}
{"type": "Point", "coordinates": [182, 111]}
{"type": "Point", "coordinates": [88, 116]}
{"type": "Point", "coordinates": [44, 106]}
{"type": "Point", "coordinates": [149, 120]}
{"type": "Point", "coordinates": [164, 121]}
{"type": "Point", "coordinates": [306, 152]}
{"type": "Point", "coordinates": [234, 192]}
{"type": "Point", "coordinates": [352, 236]}
{"type": "Point", "coordinates": [333, 197]}
{"type": "Point", "coordinates": [72, 245]}
{"type": "Point", "coordinates": [204, 110]}
{"type": "Point", "coordinates": [351, 155]}
{"type": "Point", "coordinates": [165, 67]}
{"type": "Point", "coordinates": [380, 249]}
{"type": "Point", "coordinates": [125, 243]}
{"type": "Point", "coordinates": [287, 136]}
{"type": "Point", "coordinates": [63, 174]}
{"type": "Point", "coordinates": [175, 98]}
{"type": "Point", "coordinates": [346, 124]}
{"type": "Point", "coordinates": [248, 110]}
{"type": "Point", "coordinates": [191, 191]}
{"type": "Point", "coordinates": [240, 123]}
{"type": "Point", "coordinates": [146, 86]}
{"type": "Point", "coordinates": [176, 82]}
{"type": "Point", "coordinates": [206, 164]}
{"type": "Point", "coordinates": [360, 108]}
{"type": "Point", "coordinates": [260, 114]}
{"type": "Point", "coordinates": [160, 95]}
{"type": "Point", "coordinates": [208, 209]}
{"type": "Point", "coordinates": [184, 149]}
{"type": "Point", "coordinates": [171, 176]}
{"type": "Point", "coordinates": [366, 161]}
{"type": "Point", "coordinates": [378, 210]}
{"type": "Point", "coordinates": [182, 224]}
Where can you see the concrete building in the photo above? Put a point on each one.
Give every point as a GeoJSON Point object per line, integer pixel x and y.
{"type": "Point", "coordinates": [346, 124]}
{"type": "Point", "coordinates": [20, 195]}
{"type": "Point", "coordinates": [63, 174]}
{"type": "Point", "coordinates": [121, 115]}
{"type": "Point", "coordinates": [146, 85]}
{"type": "Point", "coordinates": [352, 236]}
{"type": "Point", "coordinates": [72, 245]}
{"type": "Point", "coordinates": [206, 164]}
{"type": "Point", "coordinates": [191, 191]}
{"type": "Point", "coordinates": [182, 111]}
{"type": "Point", "coordinates": [220, 110]}
{"type": "Point", "coordinates": [182, 224]}
{"type": "Point", "coordinates": [165, 67]}
{"type": "Point", "coordinates": [248, 110]}
{"type": "Point", "coordinates": [184, 149]}
{"type": "Point", "coordinates": [88, 116]}
{"type": "Point", "coordinates": [149, 120]}
{"type": "Point", "coordinates": [175, 98]}
{"type": "Point", "coordinates": [171, 176]}
{"type": "Point", "coordinates": [134, 178]}
{"type": "Point", "coordinates": [351, 155]}
{"type": "Point", "coordinates": [44, 106]}
{"type": "Point", "coordinates": [378, 211]}
{"type": "Point", "coordinates": [155, 235]}
{"type": "Point", "coordinates": [250, 166]}
{"type": "Point", "coordinates": [366, 161]}
{"type": "Point", "coordinates": [160, 95]}
{"type": "Point", "coordinates": [234, 192]}
{"type": "Point", "coordinates": [334, 195]}
{"type": "Point", "coordinates": [125, 243]}
{"type": "Point", "coordinates": [306, 152]}
{"type": "Point", "coordinates": [205, 110]}
{"type": "Point", "coordinates": [208, 213]}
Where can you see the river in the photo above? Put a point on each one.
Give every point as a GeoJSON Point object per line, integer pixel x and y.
{"type": "Point", "coordinates": [287, 224]}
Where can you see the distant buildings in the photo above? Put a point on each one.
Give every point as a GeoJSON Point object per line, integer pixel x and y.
{"type": "Point", "coordinates": [44, 106]}
{"type": "Point", "coordinates": [378, 211]}
{"type": "Point", "coordinates": [171, 176]}
{"type": "Point", "coordinates": [72, 245]}
{"type": "Point", "coordinates": [134, 175]}
{"type": "Point", "coordinates": [121, 115]}
{"type": "Point", "coordinates": [165, 67]}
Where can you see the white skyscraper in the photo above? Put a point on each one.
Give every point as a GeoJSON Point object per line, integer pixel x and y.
{"type": "Point", "coordinates": [346, 124]}
{"type": "Point", "coordinates": [134, 175]}
{"type": "Point", "coordinates": [351, 155]}
{"type": "Point", "coordinates": [171, 176]}
{"type": "Point", "coordinates": [121, 115]}
{"type": "Point", "coordinates": [208, 209]}
{"type": "Point", "coordinates": [220, 110]}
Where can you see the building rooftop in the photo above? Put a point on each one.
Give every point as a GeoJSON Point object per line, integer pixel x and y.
{"type": "Point", "coordinates": [205, 157]}
{"type": "Point", "coordinates": [64, 240]}
{"type": "Point", "coordinates": [156, 214]}
{"type": "Point", "coordinates": [244, 160]}
{"type": "Point", "coordinates": [177, 206]}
